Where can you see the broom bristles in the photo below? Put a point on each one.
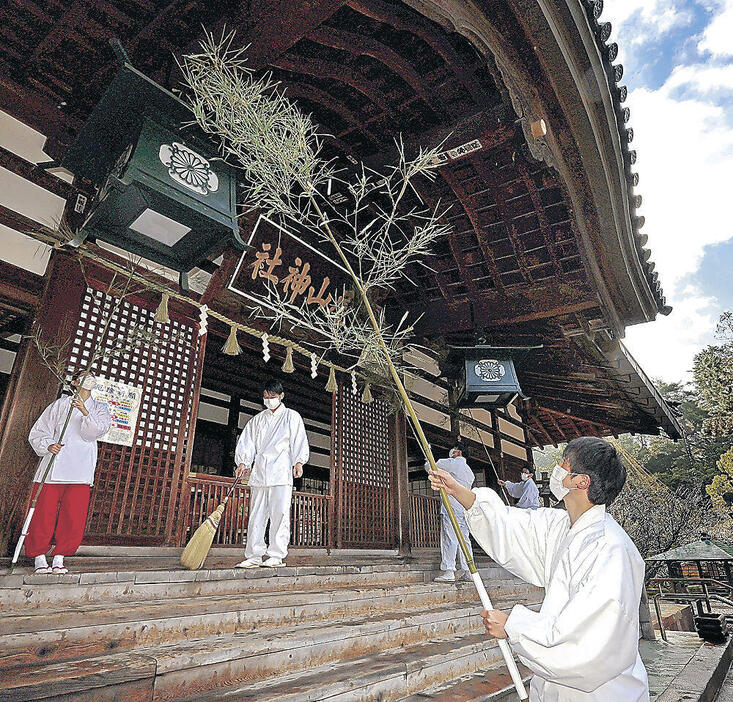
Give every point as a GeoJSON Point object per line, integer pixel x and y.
{"type": "Point", "coordinates": [199, 545]}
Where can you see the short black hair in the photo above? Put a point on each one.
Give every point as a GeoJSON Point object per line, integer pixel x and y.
{"type": "Point", "coordinates": [273, 385]}
{"type": "Point", "coordinates": [464, 448]}
{"type": "Point", "coordinates": [595, 457]}
{"type": "Point", "coordinates": [529, 468]}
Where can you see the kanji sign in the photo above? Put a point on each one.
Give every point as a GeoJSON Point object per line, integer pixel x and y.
{"type": "Point", "coordinates": [287, 264]}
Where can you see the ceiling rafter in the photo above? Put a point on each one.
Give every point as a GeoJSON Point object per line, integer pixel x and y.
{"type": "Point", "coordinates": [545, 229]}
{"type": "Point", "coordinates": [343, 74]}
{"type": "Point", "coordinates": [360, 45]}
{"type": "Point", "coordinates": [414, 23]}
{"type": "Point", "coordinates": [463, 197]}
{"type": "Point", "coordinates": [497, 191]}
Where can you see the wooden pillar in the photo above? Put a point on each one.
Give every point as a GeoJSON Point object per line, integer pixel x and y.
{"type": "Point", "coordinates": [402, 483]}
{"type": "Point", "coordinates": [31, 388]}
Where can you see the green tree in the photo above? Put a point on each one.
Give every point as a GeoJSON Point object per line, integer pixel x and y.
{"type": "Point", "coordinates": [721, 487]}
{"type": "Point", "coordinates": [713, 371]}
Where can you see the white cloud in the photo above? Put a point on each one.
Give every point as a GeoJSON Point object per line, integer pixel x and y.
{"type": "Point", "coordinates": [665, 348]}
{"type": "Point", "coordinates": [685, 147]}
{"type": "Point", "coordinates": [717, 35]}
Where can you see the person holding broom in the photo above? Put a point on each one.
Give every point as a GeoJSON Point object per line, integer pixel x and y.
{"type": "Point", "coordinates": [64, 498]}
{"type": "Point", "coordinates": [582, 646]}
{"type": "Point", "coordinates": [275, 440]}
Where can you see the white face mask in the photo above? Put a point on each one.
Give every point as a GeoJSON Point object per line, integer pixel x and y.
{"type": "Point", "coordinates": [525, 477]}
{"type": "Point", "coordinates": [453, 453]}
{"type": "Point", "coordinates": [556, 487]}
{"type": "Point", "coordinates": [89, 382]}
{"type": "Point", "coordinates": [271, 402]}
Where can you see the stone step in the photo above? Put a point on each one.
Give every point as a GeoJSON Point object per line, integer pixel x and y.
{"type": "Point", "coordinates": [26, 591]}
{"type": "Point", "coordinates": [200, 665]}
{"type": "Point", "coordinates": [386, 676]}
{"type": "Point", "coordinates": [94, 629]}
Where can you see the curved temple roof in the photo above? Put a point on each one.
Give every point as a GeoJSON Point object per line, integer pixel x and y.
{"type": "Point", "coordinates": [546, 244]}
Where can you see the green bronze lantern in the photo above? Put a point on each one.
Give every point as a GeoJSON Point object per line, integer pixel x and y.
{"type": "Point", "coordinates": [162, 192]}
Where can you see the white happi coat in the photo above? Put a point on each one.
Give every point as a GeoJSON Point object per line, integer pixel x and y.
{"type": "Point", "coordinates": [582, 645]}
{"type": "Point", "coordinates": [275, 441]}
{"type": "Point", "coordinates": [76, 461]}
{"type": "Point", "coordinates": [526, 492]}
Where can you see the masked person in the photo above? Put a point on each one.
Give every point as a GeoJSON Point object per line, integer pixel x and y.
{"type": "Point", "coordinates": [456, 466]}
{"type": "Point", "coordinates": [276, 441]}
{"type": "Point", "coordinates": [525, 491]}
{"type": "Point", "coordinates": [582, 645]}
{"type": "Point", "coordinates": [64, 500]}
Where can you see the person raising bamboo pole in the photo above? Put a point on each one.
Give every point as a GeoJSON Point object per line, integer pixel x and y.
{"type": "Point", "coordinates": [582, 645]}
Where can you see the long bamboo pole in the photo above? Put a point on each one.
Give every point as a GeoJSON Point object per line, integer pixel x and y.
{"type": "Point", "coordinates": [475, 576]}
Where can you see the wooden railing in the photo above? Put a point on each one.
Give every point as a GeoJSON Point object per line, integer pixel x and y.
{"type": "Point", "coordinates": [308, 515]}
{"type": "Point", "coordinates": [424, 521]}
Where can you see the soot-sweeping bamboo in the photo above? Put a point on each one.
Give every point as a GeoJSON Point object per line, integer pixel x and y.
{"type": "Point", "coordinates": [277, 147]}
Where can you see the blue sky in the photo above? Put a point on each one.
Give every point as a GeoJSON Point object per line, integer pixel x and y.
{"type": "Point", "coordinates": [678, 65]}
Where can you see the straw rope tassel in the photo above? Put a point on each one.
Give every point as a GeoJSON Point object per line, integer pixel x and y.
{"type": "Point", "coordinates": [288, 366]}
{"type": "Point", "coordinates": [232, 347]}
{"type": "Point", "coordinates": [161, 314]}
{"type": "Point", "coordinates": [332, 385]}
{"type": "Point", "coordinates": [366, 396]}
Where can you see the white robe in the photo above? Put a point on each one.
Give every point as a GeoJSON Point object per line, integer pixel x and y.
{"type": "Point", "coordinates": [526, 492]}
{"type": "Point", "coordinates": [76, 461]}
{"type": "Point", "coordinates": [449, 547]}
{"type": "Point", "coordinates": [275, 441]}
{"type": "Point", "coordinates": [583, 644]}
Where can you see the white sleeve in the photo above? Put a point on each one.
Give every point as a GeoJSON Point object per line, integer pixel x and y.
{"type": "Point", "coordinates": [245, 451]}
{"type": "Point", "coordinates": [299, 448]}
{"type": "Point", "coordinates": [43, 432]}
{"type": "Point", "coordinates": [593, 639]}
{"type": "Point", "coordinates": [97, 423]}
{"type": "Point", "coordinates": [515, 538]}
{"type": "Point", "coordinates": [516, 490]}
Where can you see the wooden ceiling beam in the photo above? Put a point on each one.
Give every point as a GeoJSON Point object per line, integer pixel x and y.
{"type": "Point", "coordinates": [497, 192]}
{"type": "Point", "coordinates": [341, 74]}
{"type": "Point", "coordinates": [34, 174]}
{"type": "Point", "coordinates": [74, 16]}
{"type": "Point", "coordinates": [415, 23]}
{"type": "Point", "coordinates": [360, 45]}
{"type": "Point", "coordinates": [460, 192]}
{"type": "Point", "coordinates": [545, 229]}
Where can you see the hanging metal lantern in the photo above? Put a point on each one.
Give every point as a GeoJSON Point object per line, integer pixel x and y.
{"type": "Point", "coordinates": [486, 376]}
{"type": "Point", "coordinates": [163, 193]}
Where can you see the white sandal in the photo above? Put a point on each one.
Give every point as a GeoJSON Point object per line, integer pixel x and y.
{"type": "Point", "coordinates": [59, 570]}
{"type": "Point", "coordinates": [44, 571]}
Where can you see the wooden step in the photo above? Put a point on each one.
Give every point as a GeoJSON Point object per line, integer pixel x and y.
{"type": "Point", "coordinates": [27, 591]}
{"type": "Point", "coordinates": [206, 664]}
{"type": "Point", "coordinates": [483, 686]}
{"type": "Point", "coordinates": [386, 676]}
{"type": "Point", "coordinates": [95, 629]}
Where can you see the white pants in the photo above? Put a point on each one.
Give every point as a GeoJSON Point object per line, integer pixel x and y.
{"type": "Point", "coordinates": [273, 504]}
{"type": "Point", "coordinates": [449, 542]}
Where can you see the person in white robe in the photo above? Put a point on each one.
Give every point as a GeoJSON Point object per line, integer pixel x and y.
{"type": "Point", "coordinates": [456, 466]}
{"type": "Point", "coordinates": [63, 502]}
{"type": "Point", "coordinates": [582, 645]}
{"type": "Point", "coordinates": [525, 492]}
{"type": "Point", "coordinates": [276, 443]}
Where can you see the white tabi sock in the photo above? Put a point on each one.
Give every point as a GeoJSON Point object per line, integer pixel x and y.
{"type": "Point", "coordinates": [41, 561]}
{"type": "Point", "coordinates": [58, 561]}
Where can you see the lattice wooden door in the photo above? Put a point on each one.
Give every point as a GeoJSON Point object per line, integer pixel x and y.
{"type": "Point", "coordinates": [137, 488]}
{"type": "Point", "coordinates": [363, 473]}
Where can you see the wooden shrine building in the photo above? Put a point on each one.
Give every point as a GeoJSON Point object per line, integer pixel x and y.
{"type": "Point", "coordinates": [545, 252]}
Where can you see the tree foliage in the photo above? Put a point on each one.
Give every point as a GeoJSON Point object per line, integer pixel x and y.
{"type": "Point", "coordinates": [713, 370]}
{"type": "Point", "coordinates": [721, 487]}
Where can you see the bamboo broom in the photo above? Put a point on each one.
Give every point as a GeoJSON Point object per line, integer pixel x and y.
{"type": "Point", "coordinates": [199, 544]}
{"type": "Point", "coordinates": [475, 576]}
